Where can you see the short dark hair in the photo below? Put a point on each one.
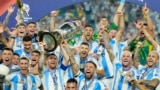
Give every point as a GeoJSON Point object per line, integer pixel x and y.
{"type": "Point", "coordinates": [24, 58]}
{"type": "Point", "coordinates": [85, 43]}
{"type": "Point", "coordinates": [51, 53]}
{"type": "Point", "coordinates": [20, 24]}
{"type": "Point", "coordinates": [137, 19]}
{"type": "Point", "coordinates": [27, 38]}
{"type": "Point", "coordinates": [92, 63]}
{"type": "Point", "coordinates": [8, 49]}
{"type": "Point", "coordinates": [72, 80]}
{"type": "Point", "coordinates": [88, 26]}
{"type": "Point", "coordinates": [101, 18]}
{"type": "Point", "coordinates": [104, 17]}
{"type": "Point", "coordinates": [145, 24]}
{"type": "Point", "coordinates": [16, 54]}
{"type": "Point", "coordinates": [36, 51]}
{"type": "Point", "coordinates": [31, 23]}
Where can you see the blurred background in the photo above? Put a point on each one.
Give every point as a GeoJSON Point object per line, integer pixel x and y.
{"type": "Point", "coordinates": [90, 13]}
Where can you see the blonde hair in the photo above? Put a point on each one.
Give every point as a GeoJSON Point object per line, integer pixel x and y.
{"type": "Point", "coordinates": [127, 51]}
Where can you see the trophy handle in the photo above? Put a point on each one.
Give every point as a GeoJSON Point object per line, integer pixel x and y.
{"type": "Point", "coordinates": [50, 40]}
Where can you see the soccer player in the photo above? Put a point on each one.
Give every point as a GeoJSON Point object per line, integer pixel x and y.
{"type": "Point", "coordinates": [149, 74]}
{"type": "Point", "coordinates": [87, 37]}
{"type": "Point", "coordinates": [88, 81]}
{"type": "Point", "coordinates": [18, 39]}
{"type": "Point", "coordinates": [147, 47]}
{"type": "Point", "coordinates": [103, 57]}
{"type": "Point", "coordinates": [34, 60]}
{"type": "Point", "coordinates": [31, 31]}
{"type": "Point", "coordinates": [155, 45]}
{"type": "Point", "coordinates": [23, 80]}
{"type": "Point", "coordinates": [7, 54]}
{"type": "Point", "coordinates": [26, 51]}
{"type": "Point", "coordinates": [83, 57]}
{"type": "Point", "coordinates": [72, 84]}
{"type": "Point", "coordinates": [15, 60]}
{"type": "Point", "coordinates": [52, 71]}
{"type": "Point", "coordinates": [123, 71]}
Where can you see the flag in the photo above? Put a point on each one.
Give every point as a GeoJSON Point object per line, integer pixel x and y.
{"type": "Point", "coordinates": [4, 4]}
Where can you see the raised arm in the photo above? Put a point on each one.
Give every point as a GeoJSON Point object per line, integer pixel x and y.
{"type": "Point", "coordinates": [134, 36]}
{"type": "Point", "coordinates": [41, 62]}
{"type": "Point", "coordinates": [107, 46]}
{"type": "Point", "coordinates": [53, 20]}
{"type": "Point", "coordinates": [150, 38]}
{"type": "Point", "coordinates": [74, 65]}
{"type": "Point", "coordinates": [119, 10]}
{"type": "Point", "coordinates": [66, 56]}
{"type": "Point", "coordinates": [10, 11]}
{"type": "Point", "coordinates": [136, 55]}
{"type": "Point", "coordinates": [3, 40]}
{"type": "Point", "coordinates": [121, 28]}
{"type": "Point", "coordinates": [145, 11]}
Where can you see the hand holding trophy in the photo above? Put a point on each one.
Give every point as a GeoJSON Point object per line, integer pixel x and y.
{"type": "Point", "coordinates": [20, 8]}
{"type": "Point", "coordinates": [53, 39]}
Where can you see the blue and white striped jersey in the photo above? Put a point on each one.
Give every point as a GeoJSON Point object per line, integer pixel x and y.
{"type": "Point", "coordinates": [105, 61]}
{"type": "Point", "coordinates": [117, 48]}
{"type": "Point", "coordinates": [92, 44]}
{"type": "Point", "coordinates": [120, 80]}
{"type": "Point", "coordinates": [35, 46]}
{"type": "Point", "coordinates": [92, 84]}
{"type": "Point", "coordinates": [53, 80]}
{"type": "Point", "coordinates": [121, 47]}
{"type": "Point", "coordinates": [114, 47]}
{"type": "Point", "coordinates": [149, 73]}
{"type": "Point", "coordinates": [20, 82]}
{"type": "Point", "coordinates": [13, 68]}
{"type": "Point", "coordinates": [158, 51]}
{"type": "Point", "coordinates": [81, 63]}
{"type": "Point", "coordinates": [18, 43]}
{"type": "Point", "coordinates": [22, 53]}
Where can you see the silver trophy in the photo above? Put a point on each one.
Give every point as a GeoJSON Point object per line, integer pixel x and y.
{"type": "Point", "coordinates": [53, 39]}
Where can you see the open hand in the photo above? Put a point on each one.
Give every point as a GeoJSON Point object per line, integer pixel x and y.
{"type": "Point", "coordinates": [54, 13]}
{"type": "Point", "coordinates": [11, 9]}
{"type": "Point", "coordinates": [1, 28]}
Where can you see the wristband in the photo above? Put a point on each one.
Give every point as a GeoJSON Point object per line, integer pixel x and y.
{"type": "Point", "coordinates": [13, 37]}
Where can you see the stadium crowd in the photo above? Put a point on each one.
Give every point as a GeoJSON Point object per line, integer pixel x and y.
{"type": "Point", "coordinates": [115, 49]}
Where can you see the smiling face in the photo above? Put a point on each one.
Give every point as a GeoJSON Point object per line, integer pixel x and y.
{"type": "Point", "coordinates": [88, 32]}
{"type": "Point", "coordinates": [89, 70]}
{"type": "Point", "coordinates": [52, 62]}
{"type": "Point", "coordinates": [84, 50]}
{"type": "Point", "coordinates": [7, 57]}
{"type": "Point", "coordinates": [27, 46]}
{"type": "Point", "coordinates": [15, 59]}
{"type": "Point", "coordinates": [34, 58]}
{"type": "Point", "coordinates": [152, 59]}
{"type": "Point", "coordinates": [112, 34]}
{"type": "Point", "coordinates": [126, 58]}
{"type": "Point", "coordinates": [21, 31]}
{"type": "Point", "coordinates": [24, 65]}
{"type": "Point", "coordinates": [31, 29]}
